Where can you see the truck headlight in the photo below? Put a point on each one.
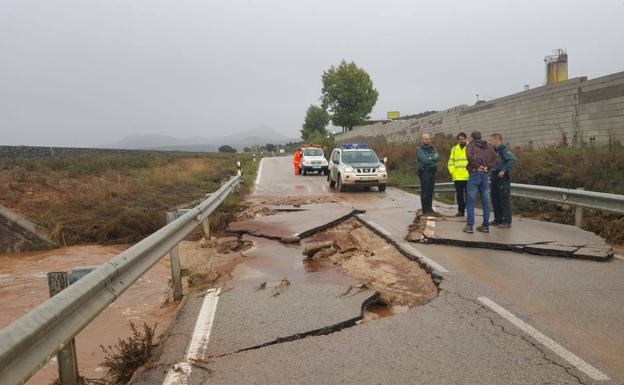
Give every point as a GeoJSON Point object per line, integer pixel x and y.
{"type": "Point", "coordinates": [349, 169]}
{"type": "Point", "coordinates": [382, 168]}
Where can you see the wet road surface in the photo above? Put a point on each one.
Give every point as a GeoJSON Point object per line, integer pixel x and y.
{"type": "Point", "coordinates": [561, 319]}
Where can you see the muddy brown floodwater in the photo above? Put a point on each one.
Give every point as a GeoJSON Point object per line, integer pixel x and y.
{"type": "Point", "coordinates": [23, 286]}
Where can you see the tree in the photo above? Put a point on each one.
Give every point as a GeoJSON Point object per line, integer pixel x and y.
{"type": "Point", "coordinates": [247, 149]}
{"type": "Point", "coordinates": [349, 95]}
{"type": "Point", "coordinates": [270, 147]}
{"type": "Point", "coordinates": [227, 148]}
{"type": "Point", "coordinates": [316, 120]}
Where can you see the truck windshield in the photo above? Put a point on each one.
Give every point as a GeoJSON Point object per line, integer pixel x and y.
{"type": "Point", "coordinates": [351, 157]}
{"type": "Point", "coordinates": [312, 152]}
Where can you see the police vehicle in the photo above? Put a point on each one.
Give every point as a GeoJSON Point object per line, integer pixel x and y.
{"type": "Point", "coordinates": [355, 164]}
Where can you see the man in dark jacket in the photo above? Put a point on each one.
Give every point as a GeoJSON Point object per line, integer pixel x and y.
{"type": "Point", "coordinates": [427, 158]}
{"type": "Point", "coordinates": [500, 183]}
{"type": "Point", "coordinates": [481, 159]}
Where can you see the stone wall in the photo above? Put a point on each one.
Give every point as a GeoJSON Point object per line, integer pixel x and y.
{"type": "Point", "coordinates": [573, 112]}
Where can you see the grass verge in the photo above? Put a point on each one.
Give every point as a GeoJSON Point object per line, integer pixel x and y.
{"type": "Point", "coordinates": [104, 198]}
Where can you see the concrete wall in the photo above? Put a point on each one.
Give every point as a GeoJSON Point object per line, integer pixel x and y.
{"type": "Point", "coordinates": [19, 234]}
{"type": "Point", "coordinates": [575, 111]}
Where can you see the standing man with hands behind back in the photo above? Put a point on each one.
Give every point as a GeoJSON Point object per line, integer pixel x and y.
{"type": "Point", "coordinates": [481, 159]}
{"type": "Point", "coordinates": [500, 183]}
{"type": "Point", "coordinates": [427, 158]}
{"type": "Point", "coordinates": [457, 166]}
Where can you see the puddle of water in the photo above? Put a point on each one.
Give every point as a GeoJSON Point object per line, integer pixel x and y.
{"type": "Point", "coordinates": [23, 286]}
{"type": "Point", "coordinates": [270, 261]}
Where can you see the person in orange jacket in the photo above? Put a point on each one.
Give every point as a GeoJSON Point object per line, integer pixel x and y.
{"type": "Point", "coordinates": [297, 160]}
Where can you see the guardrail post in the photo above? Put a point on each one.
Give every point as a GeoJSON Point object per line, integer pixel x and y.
{"type": "Point", "coordinates": [578, 214]}
{"type": "Point", "coordinates": [66, 357]}
{"type": "Point", "coordinates": [238, 167]}
{"type": "Point", "coordinates": [174, 255]}
{"type": "Point", "coordinates": [206, 228]}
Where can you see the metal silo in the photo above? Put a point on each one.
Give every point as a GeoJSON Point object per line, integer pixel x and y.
{"type": "Point", "coordinates": [556, 67]}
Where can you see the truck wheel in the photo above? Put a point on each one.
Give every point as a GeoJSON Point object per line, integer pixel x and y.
{"type": "Point", "coordinates": [382, 187]}
{"type": "Point", "coordinates": [303, 171]}
{"type": "Point", "coordinates": [339, 185]}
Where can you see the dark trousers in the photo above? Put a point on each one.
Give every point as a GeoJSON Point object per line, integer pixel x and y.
{"type": "Point", "coordinates": [460, 195]}
{"type": "Point", "coordinates": [427, 185]}
{"type": "Point", "coordinates": [500, 190]}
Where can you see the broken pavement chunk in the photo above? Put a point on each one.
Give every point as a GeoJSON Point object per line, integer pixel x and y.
{"type": "Point", "coordinates": [347, 242]}
{"type": "Point", "coordinates": [290, 239]}
{"type": "Point", "coordinates": [324, 253]}
{"type": "Point", "coordinates": [313, 249]}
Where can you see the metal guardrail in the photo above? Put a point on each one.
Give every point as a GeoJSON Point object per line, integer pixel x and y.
{"type": "Point", "coordinates": [31, 341]}
{"type": "Point", "coordinates": [578, 198]}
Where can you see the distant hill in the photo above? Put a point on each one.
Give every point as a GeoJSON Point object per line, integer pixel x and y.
{"type": "Point", "coordinates": [260, 135]}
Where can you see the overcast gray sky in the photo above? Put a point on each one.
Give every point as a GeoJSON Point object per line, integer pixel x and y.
{"type": "Point", "coordinates": [81, 73]}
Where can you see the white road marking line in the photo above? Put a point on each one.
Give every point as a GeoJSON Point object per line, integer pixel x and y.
{"type": "Point", "coordinates": [380, 228]}
{"type": "Point", "coordinates": [179, 373]}
{"type": "Point", "coordinates": [259, 175]}
{"type": "Point", "coordinates": [424, 258]}
{"type": "Point", "coordinates": [550, 344]}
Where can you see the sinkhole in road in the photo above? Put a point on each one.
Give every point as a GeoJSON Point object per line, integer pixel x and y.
{"type": "Point", "coordinates": [361, 254]}
{"type": "Point", "coordinates": [359, 265]}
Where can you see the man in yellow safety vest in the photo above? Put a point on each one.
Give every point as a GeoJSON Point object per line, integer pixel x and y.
{"type": "Point", "coordinates": [457, 164]}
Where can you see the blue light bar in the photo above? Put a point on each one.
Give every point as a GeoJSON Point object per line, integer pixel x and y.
{"type": "Point", "coordinates": [351, 146]}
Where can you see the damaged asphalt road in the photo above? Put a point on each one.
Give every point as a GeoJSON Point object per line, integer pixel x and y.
{"type": "Point", "coordinates": [285, 317]}
{"type": "Point", "coordinates": [527, 235]}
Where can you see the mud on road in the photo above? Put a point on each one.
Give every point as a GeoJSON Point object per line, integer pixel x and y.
{"type": "Point", "coordinates": [363, 255]}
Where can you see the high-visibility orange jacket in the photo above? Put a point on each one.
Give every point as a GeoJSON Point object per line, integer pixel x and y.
{"type": "Point", "coordinates": [297, 161]}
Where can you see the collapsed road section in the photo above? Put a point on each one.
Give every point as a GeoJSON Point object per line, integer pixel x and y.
{"type": "Point", "coordinates": [338, 275]}
{"type": "Point", "coordinates": [527, 235]}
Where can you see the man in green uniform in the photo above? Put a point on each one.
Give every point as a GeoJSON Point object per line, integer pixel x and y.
{"type": "Point", "coordinates": [500, 183]}
{"type": "Point", "coordinates": [427, 158]}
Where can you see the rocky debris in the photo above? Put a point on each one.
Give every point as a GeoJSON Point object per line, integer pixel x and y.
{"type": "Point", "coordinates": [226, 244]}
{"type": "Point", "coordinates": [324, 253]}
{"type": "Point", "coordinates": [309, 251]}
{"type": "Point", "coordinates": [347, 242]}
{"type": "Point", "coordinates": [372, 260]}
{"type": "Point", "coordinates": [262, 286]}
{"type": "Point", "coordinates": [415, 236]}
{"type": "Point", "coordinates": [296, 201]}
{"type": "Point", "coordinates": [197, 279]}
{"type": "Point", "coordinates": [255, 212]}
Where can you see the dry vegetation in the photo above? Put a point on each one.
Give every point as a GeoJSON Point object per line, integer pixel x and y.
{"type": "Point", "coordinates": [593, 168]}
{"type": "Point", "coordinates": [123, 359]}
{"type": "Point", "coordinates": [106, 198]}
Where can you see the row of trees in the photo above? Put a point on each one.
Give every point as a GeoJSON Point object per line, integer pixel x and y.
{"type": "Point", "coordinates": [347, 99]}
